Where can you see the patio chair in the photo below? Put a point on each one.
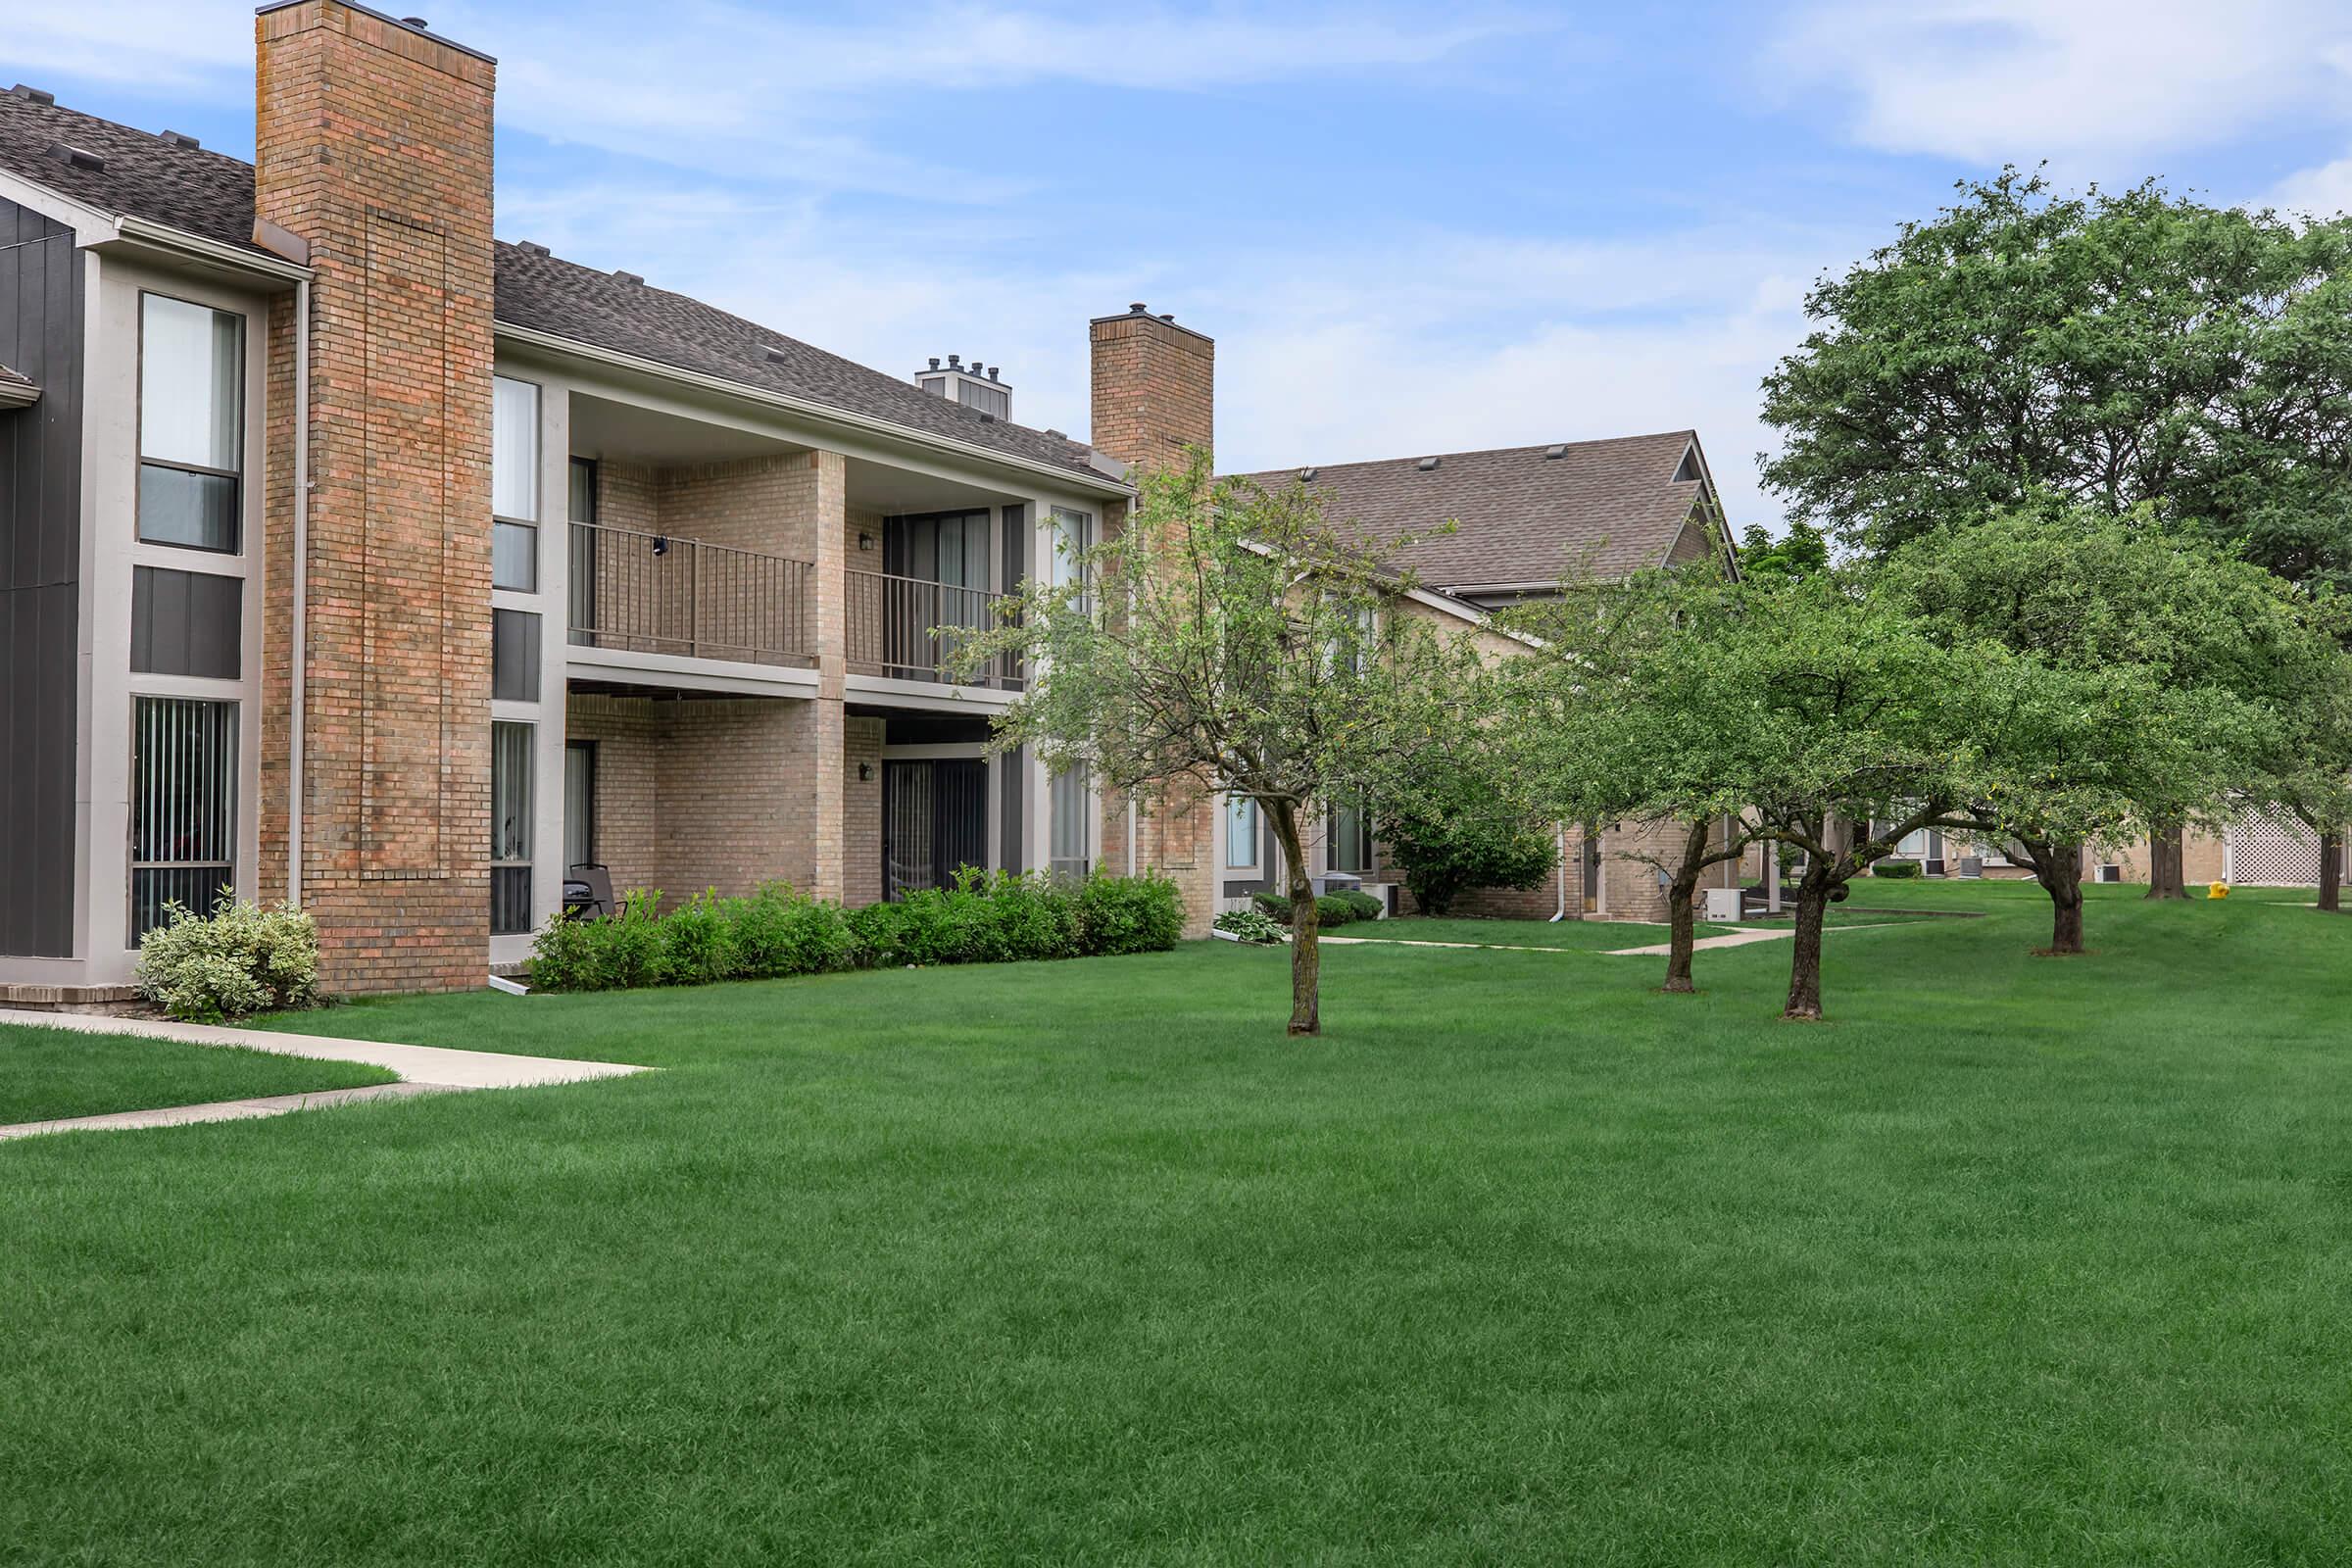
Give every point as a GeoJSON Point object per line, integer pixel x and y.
{"type": "Point", "coordinates": [588, 893]}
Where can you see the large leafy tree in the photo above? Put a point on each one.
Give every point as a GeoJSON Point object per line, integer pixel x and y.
{"type": "Point", "coordinates": [1230, 639]}
{"type": "Point", "coordinates": [2114, 350]}
{"type": "Point", "coordinates": [2169, 666]}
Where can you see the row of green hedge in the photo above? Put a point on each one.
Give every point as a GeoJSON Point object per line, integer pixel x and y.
{"type": "Point", "coordinates": [983, 918]}
{"type": "Point", "coordinates": [1331, 908]}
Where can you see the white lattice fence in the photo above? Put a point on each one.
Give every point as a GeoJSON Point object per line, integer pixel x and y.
{"type": "Point", "coordinates": [2274, 855]}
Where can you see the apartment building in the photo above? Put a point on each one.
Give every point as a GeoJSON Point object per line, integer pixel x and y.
{"type": "Point", "coordinates": [355, 557]}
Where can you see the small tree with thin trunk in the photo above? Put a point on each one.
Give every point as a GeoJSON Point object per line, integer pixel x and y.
{"type": "Point", "coordinates": [1228, 638]}
{"type": "Point", "coordinates": [1622, 713]}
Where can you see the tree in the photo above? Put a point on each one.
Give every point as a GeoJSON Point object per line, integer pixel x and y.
{"type": "Point", "coordinates": [1229, 639]}
{"type": "Point", "coordinates": [1621, 712]}
{"type": "Point", "coordinates": [2111, 350]}
{"type": "Point", "coordinates": [1460, 825]}
{"type": "Point", "coordinates": [2166, 666]}
{"type": "Point", "coordinates": [1796, 555]}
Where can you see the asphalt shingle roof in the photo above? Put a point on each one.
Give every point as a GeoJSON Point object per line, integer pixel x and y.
{"type": "Point", "coordinates": [211, 195]}
{"type": "Point", "coordinates": [1600, 509]}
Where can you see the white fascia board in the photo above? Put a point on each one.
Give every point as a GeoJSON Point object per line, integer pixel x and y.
{"type": "Point", "coordinates": [816, 412]}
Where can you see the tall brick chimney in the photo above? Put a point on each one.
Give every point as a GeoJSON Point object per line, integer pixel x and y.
{"type": "Point", "coordinates": [373, 147]}
{"type": "Point", "coordinates": [1154, 390]}
{"type": "Point", "coordinates": [1154, 395]}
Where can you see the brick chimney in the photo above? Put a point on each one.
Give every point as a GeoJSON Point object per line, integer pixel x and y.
{"type": "Point", "coordinates": [1154, 388]}
{"type": "Point", "coordinates": [373, 147]}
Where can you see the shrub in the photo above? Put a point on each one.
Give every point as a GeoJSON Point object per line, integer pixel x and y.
{"type": "Point", "coordinates": [1250, 925]}
{"type": "Point", "coordinates": [1274, 904]}
{"type": "Point", "coordinates": [241, 959]}
{"type": "Point", "coordinates": [1331, 909]}
{"type": "Point", "coordinates": [698, 942]}
{"type": "Point", "coordinates": [982, 919]}
{"type": "Point", "coordinates": [1460, 834]}
{"type": "Point", "coordinates": [1363, 904]}
{"type": "Point", "coordinates": [1898, 869]}
{"type": "Point", "coordinates": [1128, 914]}
{"type": "Point", "coordinates": [780, 932]}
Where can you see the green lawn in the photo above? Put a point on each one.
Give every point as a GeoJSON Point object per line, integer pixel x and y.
{"type": "Point", "coordinates": [2016, 1260]}
{"type": "Point", "coordinates": [1595, 935]}
{"type": "Point", "coordinates": [48, 1074]}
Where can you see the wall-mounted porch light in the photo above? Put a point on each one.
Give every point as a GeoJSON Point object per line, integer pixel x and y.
{"type": "Point", "coordinates": [865, 773]}
{"type": "Point", "coordinates": [660, 545]}
{"type": "Point", "coordinates": [865, 541]}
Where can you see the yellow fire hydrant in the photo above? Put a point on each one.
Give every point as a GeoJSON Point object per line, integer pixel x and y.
{"type": "Point", "coordinates": [2216, 890]}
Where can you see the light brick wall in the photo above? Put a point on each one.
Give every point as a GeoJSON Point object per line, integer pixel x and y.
{"type": "Point", "coordinates": [374, 144]}
{"type": "Point", "coordinates": [861, 812]}
{"type": "Point", "coordinates": [628, 739]}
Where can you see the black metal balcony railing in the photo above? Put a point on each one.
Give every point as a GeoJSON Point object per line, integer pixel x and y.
{"type": "Point", "coordinates": [658, 594]}
{"type": "Point", "coordinates": [904, 628]}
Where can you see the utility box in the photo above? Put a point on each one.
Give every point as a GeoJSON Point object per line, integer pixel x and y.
{"type": "Point", "coordinates": [1721, 905]}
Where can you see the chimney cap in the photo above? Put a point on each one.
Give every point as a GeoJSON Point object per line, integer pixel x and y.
{"type": "Point", "coordinates": [418, 22]}
{"type": "Point", "coordinates": [31, 94]}
{"type": "Point", "coordinates": [1167, 315]}
{"type": "Point", "coordinates": [934, 362]}
{"type": "Point", "coordinates": [993, 369]}
{"type": "Point", "coordinates": [954, 361]}
{"type": "Point", "coordinates": [1138, 307]}
{"type": "Point", "coordinates": [414, 24]}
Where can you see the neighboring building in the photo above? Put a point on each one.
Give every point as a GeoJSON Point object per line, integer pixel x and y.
{"type": "Point", "coordinates": [354, 556]}
{"type": "Point", "coordinates": [1526, 522]}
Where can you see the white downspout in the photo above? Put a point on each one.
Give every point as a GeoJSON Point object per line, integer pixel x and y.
{"type": "Point", "coordinates": [1131, 833]}
{"type": "Point", "coordinates": [301, 589]}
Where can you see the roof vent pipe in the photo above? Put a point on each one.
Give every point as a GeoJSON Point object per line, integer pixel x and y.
{"type": "Point", "coordinates": [935, 362]}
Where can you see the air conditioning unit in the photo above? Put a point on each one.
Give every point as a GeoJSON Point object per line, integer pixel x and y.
{"type": "Point", "coordinates": [1722, 906]}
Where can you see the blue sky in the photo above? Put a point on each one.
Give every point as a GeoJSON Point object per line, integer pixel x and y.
{"type": "Point", "coordinates": [1410, 229]}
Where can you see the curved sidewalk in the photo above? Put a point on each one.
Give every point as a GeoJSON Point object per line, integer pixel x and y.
{"type": "Point", "coordinates": [423, 1069]}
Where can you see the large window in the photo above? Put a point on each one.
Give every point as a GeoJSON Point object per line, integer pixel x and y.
{"type": "Point", "coordinates": [1350, 840]}
{"type": "Point", "coordinates": [514, 656]}
{"type": "Point", "coordinates": [509, 828]}
{"type": "Point", "coordinates": [1069, 842]}
{"type": "Point", "coordinates": [191, 424]}
{"type": "Point", "coordinates": [514, 484]}
{"type": "Point", "coordinates": [1241, 832]}
{"type": "Point", "coordinates": [184, 807]}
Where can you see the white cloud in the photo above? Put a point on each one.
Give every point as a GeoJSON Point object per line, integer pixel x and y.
{"type": "Point", "coordinates": [202, 48]}
{"type": "Point", "coordinates": [2077, 81]}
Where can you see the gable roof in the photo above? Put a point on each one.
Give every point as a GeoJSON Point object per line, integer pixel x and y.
{"type": "Point", "coordinates": [211, 195]}
{"type": "Point", "coordinates": [1524, 517]}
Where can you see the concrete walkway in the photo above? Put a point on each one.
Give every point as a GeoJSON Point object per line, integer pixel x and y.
{"type": "Point", "coordinates": [423, 1069]}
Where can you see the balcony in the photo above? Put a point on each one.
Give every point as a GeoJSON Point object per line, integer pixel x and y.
{"type": "Point", "coordinates": [646, 593]}
{"type": "Point", "coordinates": [891, 622]}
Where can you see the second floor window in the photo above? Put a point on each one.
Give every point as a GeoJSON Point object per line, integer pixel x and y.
{"type": "Point", "coordinates": [191, 424]}
{"type": "Point", "coordinates": [513, 485]}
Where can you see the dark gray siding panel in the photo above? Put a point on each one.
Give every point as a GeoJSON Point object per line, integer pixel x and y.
{"type": "Point", "coordinates": [40, 571]}
{"type": "Point", "coordinates": [185, 622]}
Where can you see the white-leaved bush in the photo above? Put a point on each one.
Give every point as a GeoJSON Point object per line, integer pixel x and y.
{"type": "Point", "coordinates": [242, 959]}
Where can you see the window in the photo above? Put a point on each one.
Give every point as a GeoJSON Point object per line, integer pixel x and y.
{"type": "Point", "coordinates": [1241, 832]}
{"type": "Point", "coordinates": [1069, 843]}
{"type": "Point", "coordinates": [509, 828]}
{"type": "Point", "coordinates": [579, 802]}
{"type": "Point", "coordinates": [1350, 838]}
{"type": "Point", "coordinates": [1073, 536]}
{"type": "Point", "coordinates": [185, 622]}
{"type": "Point", "coordinates": [513, 485]}
{"type": "Point", "coordinates": [184, 807]}
{"type": "Point", "coordinates": [191, 424]}
{"type": "Point", "coordinates": [513, 656]}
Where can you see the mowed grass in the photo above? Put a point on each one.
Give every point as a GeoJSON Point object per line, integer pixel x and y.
{"type": "Point", "coordinates": [1593, 935]}
{"type": "Point", "coordinates": [2016, 1260]}
{"type": "Point", "coordinates": [49, 1073]}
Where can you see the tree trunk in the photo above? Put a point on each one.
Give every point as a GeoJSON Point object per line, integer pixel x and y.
{"type": "Point", "coordinates": [1804, 963]}
{"type": "Point", "coordinates": [2331, 870]}
{"type": "Point", "coordinates": [1680, 920]}
{"type": "Point", "coordinates": [2059, 870]}
{"type": "Point", "coordinates": [2164, 864]}
{"type": "Point", "coordinates": [1307, 953]}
